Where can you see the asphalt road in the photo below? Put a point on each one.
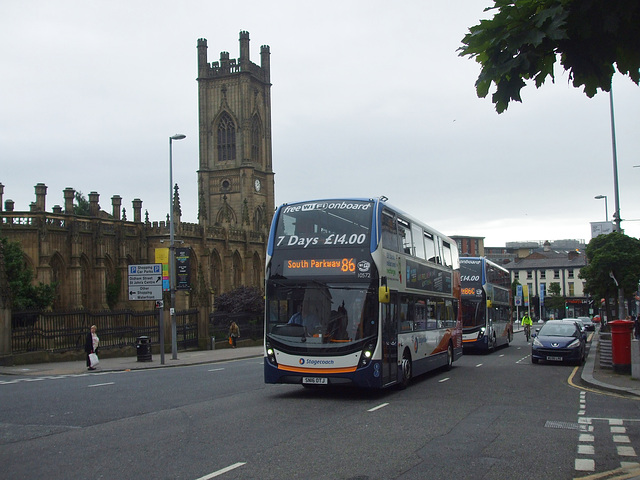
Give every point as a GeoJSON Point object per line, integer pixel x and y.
{"type": "Point", "coordinates": [493, 416]}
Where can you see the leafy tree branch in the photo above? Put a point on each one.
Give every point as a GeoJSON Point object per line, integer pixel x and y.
{"type": "Point", "coordinates": [525, 38]}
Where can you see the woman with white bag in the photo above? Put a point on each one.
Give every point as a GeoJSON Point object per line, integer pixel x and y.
{"type": "Point", "coordinates": [91, 348]}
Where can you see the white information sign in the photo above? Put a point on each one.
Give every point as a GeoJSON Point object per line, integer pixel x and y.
{"type": "Point", "coordinates": [145, 281]}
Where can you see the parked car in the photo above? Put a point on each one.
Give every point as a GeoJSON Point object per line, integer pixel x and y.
{"type": "Point", "coordinates": [559, 341]}
{"type": "Point", "coordinates": [579, 323]}
{"type": "Point", "coordinates": [588, 323]}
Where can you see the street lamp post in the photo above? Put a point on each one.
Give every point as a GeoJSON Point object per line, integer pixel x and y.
{"type": "Point", "coordinates": [616, 214]}
{"type": "Point", "coordinates": [606, 208]}
{"type": "Point", "coordinates": [172, 253]}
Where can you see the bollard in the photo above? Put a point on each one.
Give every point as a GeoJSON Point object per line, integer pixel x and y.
{"type": "Point", "coordinates": [213, 343]}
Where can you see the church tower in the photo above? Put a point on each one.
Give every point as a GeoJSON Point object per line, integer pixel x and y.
{"type": "Point", "coordinates": [235, 176]}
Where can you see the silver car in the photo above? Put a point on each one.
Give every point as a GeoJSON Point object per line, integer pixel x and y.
{"type": "Point", "coordinates": [588, 323]}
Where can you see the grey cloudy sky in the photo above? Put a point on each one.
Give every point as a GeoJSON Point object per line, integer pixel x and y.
{"type": "Point", "coordinates": [369, 98]}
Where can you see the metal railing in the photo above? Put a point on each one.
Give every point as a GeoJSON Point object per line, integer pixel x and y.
{"type": "Point", "coordinates": [67, 331]}
{"type": "Point", "coordinates": [251, 325]}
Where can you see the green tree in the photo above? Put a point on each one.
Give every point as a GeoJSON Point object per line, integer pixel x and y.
{"type": "Point", "coordinates": [23, 294]}
{"type": "Point", "coordinates": [514, 287]}
{"type": "Point", "coordinates": [525, 38]}
{"type": "Point", "coordinates": [113, 290]}
{"type": "Point", "coordinates": [81, 207]}
{"type": "Point", "coordinates": [554, 301]}
{"type": "Point", "coordinates": [613, 254]}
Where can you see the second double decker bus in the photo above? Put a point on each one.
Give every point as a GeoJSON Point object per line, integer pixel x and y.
{"type": "Point", "coordinates": [358, 293]}
{"type": "Point", "coordinates": [486, 304]}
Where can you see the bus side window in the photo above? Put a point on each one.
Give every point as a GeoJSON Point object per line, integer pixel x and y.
{"type": "Point", "coordinates": [406, 315]}
{"type": "Point", "coordinates": [432, 319]}
{"type": "Point", "coordinates": [421, 316]}
{"type": "Point", "coordinates": [405, 235]}
{"type": "Point", "coordinates": [429, 247]}
{"type": "Point", "coordinates": [450, 314]}
{"type": "Point", "coordinates": [418, 241]}
{"type": "Point", "coordinates": [389, 232]}
{"type": "Point", "coordinates": [446, 254]}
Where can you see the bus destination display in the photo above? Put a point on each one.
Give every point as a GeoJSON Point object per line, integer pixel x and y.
{"type": "Point", "coordinates": [327, 266]}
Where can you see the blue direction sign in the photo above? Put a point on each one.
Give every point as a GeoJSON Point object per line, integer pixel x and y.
{"type": "Point", "coordinates": [145, 281]}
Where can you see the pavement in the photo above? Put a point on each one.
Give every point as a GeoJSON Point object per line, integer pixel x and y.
{"type": "Point", "coordinates": [123, 364]}
{"type": "Point", "coordinates": [592, 374]}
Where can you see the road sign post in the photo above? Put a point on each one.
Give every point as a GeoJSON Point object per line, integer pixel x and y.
{"type": "Point", "coordinates": [145, 283]}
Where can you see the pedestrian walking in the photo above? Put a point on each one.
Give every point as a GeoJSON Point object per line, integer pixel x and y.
{"type": "Point", "coordinates": [636, 324]}
{"type": "Point", "coordinates": [91, 345]}
{"type": "Point", "coordinates": [234, 333]}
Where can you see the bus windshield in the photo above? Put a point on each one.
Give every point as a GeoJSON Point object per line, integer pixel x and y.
{"type": "Point", "coordinates": [473, 312]}
{"type": "Point", "coordinates": [322, 314]}
{"type": "Point", "coordinates": [324, 224]}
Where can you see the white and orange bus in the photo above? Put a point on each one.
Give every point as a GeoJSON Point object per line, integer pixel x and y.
{"type": "Point", "coordinates": [358, 293]}
{"type": "Point", "coordinates": [486, 304]}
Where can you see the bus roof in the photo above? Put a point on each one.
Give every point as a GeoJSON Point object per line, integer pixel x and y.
{"type": "Point", "coordinates": [382, 200]}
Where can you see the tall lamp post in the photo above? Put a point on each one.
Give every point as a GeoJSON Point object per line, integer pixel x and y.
{"type": "Point", "coordinates": [616, 214]}
{"type": "Point", "coordinates": [606, 208]}
{"type": "Point", "coordinates": [172, 252]}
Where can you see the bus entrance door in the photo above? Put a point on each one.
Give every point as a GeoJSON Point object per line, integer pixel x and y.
{"type": "Point", "coordinates": [390, 341]}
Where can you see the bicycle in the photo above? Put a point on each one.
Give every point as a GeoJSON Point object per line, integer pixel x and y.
{"type": "Point", "coordinates": [527, 332]}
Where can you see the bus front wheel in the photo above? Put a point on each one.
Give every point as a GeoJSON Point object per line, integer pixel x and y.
{"type": "Point", "coordinates": [406, 370]}
{"type": "Point", "coordinates": [449, 357]}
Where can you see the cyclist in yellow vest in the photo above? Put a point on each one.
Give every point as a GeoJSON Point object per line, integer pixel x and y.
{"type": "Point", "coordinates": [526, 323]}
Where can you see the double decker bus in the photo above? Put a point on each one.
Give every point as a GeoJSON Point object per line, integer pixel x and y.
{"type": "Point", "coordinates": [486, 304]}
{"type": "Point", "coordinates": [358, 293]}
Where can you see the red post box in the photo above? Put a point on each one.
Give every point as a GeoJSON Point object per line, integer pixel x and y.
{"type": "Point", "coordinates": [621, 344]}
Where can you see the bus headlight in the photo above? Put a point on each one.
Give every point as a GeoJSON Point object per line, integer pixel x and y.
{"type": "Point", "coordinates": [365, 356]}
{"type": "Point", "coordinates": [271, 354]}
{"type": "Point", "coordinates": [482, 330]}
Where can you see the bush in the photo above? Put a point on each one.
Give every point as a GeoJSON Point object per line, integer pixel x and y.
{"type": "Point", "coordinates": [241, 299]}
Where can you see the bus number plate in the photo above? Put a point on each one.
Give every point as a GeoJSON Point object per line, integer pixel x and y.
{"type": "Point", "coordinates": [314, 381]}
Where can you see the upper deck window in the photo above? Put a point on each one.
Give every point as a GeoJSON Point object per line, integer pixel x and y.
{"type": "Point", "coordinates": [325, 224]}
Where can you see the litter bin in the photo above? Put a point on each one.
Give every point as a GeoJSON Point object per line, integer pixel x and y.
{"type": "Point", "coordinates": [621, 345]}
{"type": "Point", "coordinates": [143, 349]}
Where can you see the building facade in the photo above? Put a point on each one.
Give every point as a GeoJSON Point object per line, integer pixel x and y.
{"type": "Point", "coordinates": [469, 246]}
{"type": "Point", "coordinates": [539, 270]}
{"type": "Point", "coordinates": [88, 255]}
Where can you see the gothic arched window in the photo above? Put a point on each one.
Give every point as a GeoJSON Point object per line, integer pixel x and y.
{"type": "Point", "coordinates": [255, 139]}
{"type": "Point", "coordinates": [236, 269]}
{"type": "Point", "coordinates": [216, 273]}
{"type": "Point", "coordinates": [256, 273]}
{"type": "Point", "coordinates": [226, 138]}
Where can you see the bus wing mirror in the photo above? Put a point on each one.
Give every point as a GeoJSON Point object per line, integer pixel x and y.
{"type": "Point", "coordinates": [383, 294]}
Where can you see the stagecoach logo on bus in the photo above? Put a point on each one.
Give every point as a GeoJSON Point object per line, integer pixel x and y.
{"type": "Point", "coordinates": [364, 266]}
{"type": "Point", "coordinates": [315, 362]}
{"type": "Point", "coordinates": [417, 341]}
